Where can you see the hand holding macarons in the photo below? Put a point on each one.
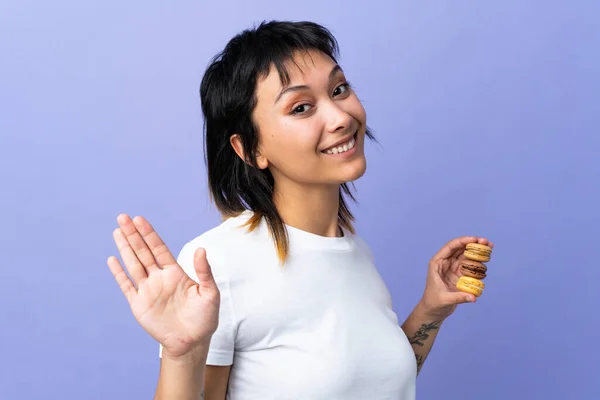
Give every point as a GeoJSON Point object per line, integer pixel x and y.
{"type": "Point", "coordinates": [455, 275]}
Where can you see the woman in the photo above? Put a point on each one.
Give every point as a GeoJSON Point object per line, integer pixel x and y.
{"type": "Point", "coordinates": [281, 300]}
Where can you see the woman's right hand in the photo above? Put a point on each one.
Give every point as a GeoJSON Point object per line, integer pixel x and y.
{"type": "Point", "coordinates": [175, 310]}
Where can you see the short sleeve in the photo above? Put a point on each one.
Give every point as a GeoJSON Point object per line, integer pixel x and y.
{"type": "Point", "coordinates": [222, 342]}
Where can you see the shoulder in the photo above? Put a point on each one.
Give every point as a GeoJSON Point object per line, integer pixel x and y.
{"type": "Point", "coordinates": [364, 247]}
{"type": "Point", "coordinates": [219, 243]}
{"type": "Point", "coordinates": [219, 236]}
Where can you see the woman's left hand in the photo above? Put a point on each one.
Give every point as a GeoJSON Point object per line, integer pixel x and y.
{"type": "Point", "coordinates": [441, 295]}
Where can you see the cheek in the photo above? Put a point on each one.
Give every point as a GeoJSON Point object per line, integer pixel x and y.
{"type": "Point", "coordinates": [358, 112]}
{"type": "Point", "coordinates": [294, 141]}
{"type": "Point", "coordinates": [363, 115]}
{"type": "Point", "coordinates": [300, 136]}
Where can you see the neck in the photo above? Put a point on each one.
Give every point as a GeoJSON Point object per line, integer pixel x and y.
{"type": "Point", "coordinates": [312, 209]}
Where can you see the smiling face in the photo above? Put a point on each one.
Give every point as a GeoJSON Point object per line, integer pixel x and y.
{"type": "Point", "coordinates": [312, 131]}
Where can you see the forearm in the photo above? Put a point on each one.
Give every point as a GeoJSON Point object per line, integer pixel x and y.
{"type": "Point", "coordinates": [182, 378]}
{"type": "Point", "coordinates": [421, 331]}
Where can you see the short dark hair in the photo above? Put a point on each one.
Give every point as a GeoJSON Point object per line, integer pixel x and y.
{"type": "Point", "coordinates": [228, 97]}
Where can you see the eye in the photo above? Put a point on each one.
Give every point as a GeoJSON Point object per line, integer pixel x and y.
{"type": "Point", "coordinates": [343, 88]}
{"type": "Point", "coordinates": [301, 109]}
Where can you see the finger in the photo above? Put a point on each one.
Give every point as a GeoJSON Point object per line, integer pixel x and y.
{"type": "Point", "coordinates": [159, 249]}
{"type": "Point", "coordinates": [452, 298]}
{"type": "Point", "coordinates": [133, 265]}
{"type": "Point", "coordinates": [206, 279]}
{"type": "Point", "coordinates": [485, 242]}
{"type": "Point", "coordinates": [453, 247]}
{"type": "Point", "coordinates": [138, 244]}
{"type": "Point", "coordinates": [122, 279]}
{"type": "Point", "coordinates": [451, 279]}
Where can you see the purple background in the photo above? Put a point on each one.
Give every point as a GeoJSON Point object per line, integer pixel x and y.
{"type": "Point", "coordinates": [487, 114]}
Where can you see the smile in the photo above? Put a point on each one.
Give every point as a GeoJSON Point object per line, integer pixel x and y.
{"type": "Point", "coordinates": [342, 148]}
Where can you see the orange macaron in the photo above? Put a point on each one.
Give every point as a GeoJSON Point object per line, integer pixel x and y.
{"type": "Point", "coordinates": [470, 285]}
{"type": "Point", "coordinates": [478, 252]}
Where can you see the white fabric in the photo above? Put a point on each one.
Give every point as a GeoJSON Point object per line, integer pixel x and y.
{"type": "Point", "coordinates": [321, 327]}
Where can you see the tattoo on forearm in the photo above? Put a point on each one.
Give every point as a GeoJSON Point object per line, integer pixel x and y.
{"type": "Point", "coordinates": [421, 335]}
{"type": "Point", "coordinates": [202, 395]}
{"type": "Point", "coordinates": [420, 361]}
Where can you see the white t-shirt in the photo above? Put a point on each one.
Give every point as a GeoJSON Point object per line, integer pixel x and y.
{"type": "Point", "coordinates": [320, 327]}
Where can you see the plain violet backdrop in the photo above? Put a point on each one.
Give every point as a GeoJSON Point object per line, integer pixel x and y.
{"type": "Point", "coordinates": [487, 115]}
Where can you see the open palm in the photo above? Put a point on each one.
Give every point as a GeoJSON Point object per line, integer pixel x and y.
{"type": "Point", "coordinates": [177, 311]}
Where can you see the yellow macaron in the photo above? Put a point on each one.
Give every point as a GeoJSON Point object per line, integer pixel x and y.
{"type": "Point", "coordinates": [478, 252]}
{"type": "Point", "coordinates": [470, 285]}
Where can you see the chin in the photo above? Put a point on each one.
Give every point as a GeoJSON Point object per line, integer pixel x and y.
{"type": "Point", "coordinates": [354, 172]}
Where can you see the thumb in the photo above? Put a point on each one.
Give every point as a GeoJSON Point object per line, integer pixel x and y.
{"type": "Point", "coordinates": [203, 270]}
{"type": "Point", "coordinates": [459, 298]}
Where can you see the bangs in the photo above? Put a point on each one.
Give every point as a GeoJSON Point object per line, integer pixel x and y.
{"type": "Point", "coordinates": [278, 47]}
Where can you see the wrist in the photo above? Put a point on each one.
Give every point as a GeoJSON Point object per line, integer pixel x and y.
{"type": "Point", "coordinates": [196, 355]}
{"type": "Point", "coordinates": [428, 312]}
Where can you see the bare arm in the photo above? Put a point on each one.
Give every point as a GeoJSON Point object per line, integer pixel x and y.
{"type": "Point", "coordinates": [216, 382]}
{"type": "Point", "coordinates": [441, 297]}
{"type": "Point", "coordinates": [421, 331]}
{"type": "Point", "coordinates": [182, 377]}
{"type": "Point", "coordinates": [188, 377]}
{"type": "Point", "coordinates": [180, 313]}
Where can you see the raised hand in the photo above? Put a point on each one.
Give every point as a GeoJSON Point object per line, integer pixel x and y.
{"type": "Point", "coordinates": [441, 296]}
{"type": "Point", "coordinates": [175, 310]}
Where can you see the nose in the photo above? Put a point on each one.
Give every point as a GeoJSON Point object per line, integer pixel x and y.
{"type": "Point", "coordinates": [338, 120]}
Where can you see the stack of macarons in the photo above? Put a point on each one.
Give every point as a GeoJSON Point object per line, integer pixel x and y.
{"type": "Point", "coordinates": [473, 269]}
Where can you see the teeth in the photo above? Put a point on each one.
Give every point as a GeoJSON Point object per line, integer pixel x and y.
{"type": "Point", "coordinates": [342, 148]}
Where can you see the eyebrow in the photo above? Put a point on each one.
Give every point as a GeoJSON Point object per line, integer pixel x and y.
{"type": "Point", "coordinates": [298, 88]}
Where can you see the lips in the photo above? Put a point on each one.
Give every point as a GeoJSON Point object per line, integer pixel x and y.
{"type": "Point", "coordinates": [341, 142]}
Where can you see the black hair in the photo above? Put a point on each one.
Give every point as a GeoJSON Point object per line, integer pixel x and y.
{"type": "Point", "coordinates": [228, 98]}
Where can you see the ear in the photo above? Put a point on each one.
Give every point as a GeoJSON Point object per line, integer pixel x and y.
{"type": "Point", "coordinates": [236, 143]}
